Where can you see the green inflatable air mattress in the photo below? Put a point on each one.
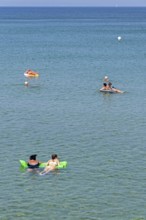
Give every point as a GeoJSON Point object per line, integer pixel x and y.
{"type": "Point", "coordinates": [63, 164]}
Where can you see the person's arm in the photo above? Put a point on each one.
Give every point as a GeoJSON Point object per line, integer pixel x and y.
{"type": "Point", "coordinates": [117, 90]}
{"type": "Point", "coordinates": [58, 162]}
{"type": "Point", "coordinates": [39, 162]}
{"type": "Point", "coordinates": [48, 162]}
{"type": "Point", "coordinates": [102, 89]}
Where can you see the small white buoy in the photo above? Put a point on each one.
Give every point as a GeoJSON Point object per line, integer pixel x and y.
{"type": "Point", "coordinates": [119, 38]}
{"type": "Point", "coordinates": [26, 83]}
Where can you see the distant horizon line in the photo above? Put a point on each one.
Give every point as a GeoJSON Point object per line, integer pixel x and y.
{"type": "Point", "coordinates": [64, 6]}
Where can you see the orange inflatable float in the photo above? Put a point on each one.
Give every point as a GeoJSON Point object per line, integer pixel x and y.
{"type": "Point", "coordinates": [31, 74]}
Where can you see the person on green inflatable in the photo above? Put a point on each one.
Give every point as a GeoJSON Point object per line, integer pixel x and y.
{"type": "Point", "coordinates": [33, 163]}
{"type": "Point", "coordinates": [51, 164]}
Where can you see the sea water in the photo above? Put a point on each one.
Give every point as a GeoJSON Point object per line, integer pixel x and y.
{"type": "Point", "coordinates": [102, 136]}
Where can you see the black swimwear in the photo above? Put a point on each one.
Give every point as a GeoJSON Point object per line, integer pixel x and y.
{"type": "Point", "coordinates": [31, 166]}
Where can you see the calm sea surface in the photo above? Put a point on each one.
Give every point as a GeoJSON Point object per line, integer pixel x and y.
{"type": "Point", "coordinates": [102, 136]}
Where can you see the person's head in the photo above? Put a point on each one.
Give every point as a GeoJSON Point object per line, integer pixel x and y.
{"type": "Point", "coordinates": [110, 84]}
{"type": "Point", "coordinates": [26, 83]}
{"type": "Point", "coordinates": [106, 79]}
{"type": "Point", "coordinates": [54, 156]}
{"type": "Point", "coordinates": [104, 84]}
{"type": "Point", "coordinates": [33, 157]}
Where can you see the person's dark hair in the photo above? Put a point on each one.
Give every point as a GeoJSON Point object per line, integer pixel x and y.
{"type": "Point", "coordinates": [54, 156]}
{"type": "Point", "coordinates": [33, 157]}
{"type": "Point", "coordinates": [109, 83]}
{"type": "Point", "coordinates": [104, 84]}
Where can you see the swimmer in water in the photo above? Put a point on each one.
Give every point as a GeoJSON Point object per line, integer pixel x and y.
{"type": "Point", "coordinates": [104, 87]}
{"type": "Point", "coordinates": [33, 163]}
{"type": "Point", "coordinates": [26, 83]}
{"type": "Point", "coordinates": [109, 87]}
{"type": "Point", "coordinates": [106, 79]}
{"type": "Point", "coordinates": [51, 164]}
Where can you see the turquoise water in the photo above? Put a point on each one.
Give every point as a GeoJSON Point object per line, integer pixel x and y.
{"type": "Point", "coordinates": [102, 136]}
